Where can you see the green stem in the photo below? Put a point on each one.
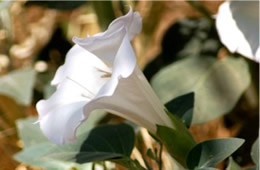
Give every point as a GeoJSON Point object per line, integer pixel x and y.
{"type": "Point", "coordinates": [93, 166]}
{"type": "Point", "coordinates": [104, 165]}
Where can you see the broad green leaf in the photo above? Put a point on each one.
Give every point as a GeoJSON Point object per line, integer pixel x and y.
{"type": "Point", "coordinates": [38, 151]}
{"type": "Point", "coordinates": [218, 84]}
{"type": "Point", "coordinates": [255, 152]}
{"type": "Point", "coordinates": [182, 106]}
{"type": "Point", "coordinates": [211, 152]}
{"type": "Point", "coordinates": [177, 140]}
{"type": "Point", "coordinates": [107, 142]}
{"type": "Point", "coordinates": [232, 165]}
{"type": "Point", "coordinates": [29, 132]}
{"type": "Point", "coordinates": [18, 85]}
{"type": "Point", "coordinates": [34, 156]}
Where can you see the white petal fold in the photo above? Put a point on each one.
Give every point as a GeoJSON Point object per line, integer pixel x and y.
{"type": "Point", "coordinates": [237, 23]}
{"type": "Point", "coordinates": [109, 40]}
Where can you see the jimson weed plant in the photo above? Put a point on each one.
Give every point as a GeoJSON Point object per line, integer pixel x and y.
{"type": "Point", "coordinates": [101, 76]}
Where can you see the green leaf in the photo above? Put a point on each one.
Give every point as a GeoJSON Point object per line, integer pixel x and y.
{"type": "Point", "coordinates": [232, 165]}
{"type": "Point", "coordinates": [107, 142]}
{"type": "Point", "coordinates": [218, 84]}
{"type": "Point", "coordinates": [182, 106]}
{"type": "Point", "coordinates": [35, 156]}
{"type": "Point", "coordinates": [38, 151]}
{"type": "Point", "coordinates": [29, 132]}
{"type": "Point", "coordinates": [255, 152]}
{"type": "Point", "coordinates": [19, 84]}
{"type": "Point", "coordinates": [211, 152]}
{"type": "Point", "coordinates": [177, 140]}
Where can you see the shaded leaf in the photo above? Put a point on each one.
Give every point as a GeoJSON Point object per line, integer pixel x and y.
{"type": "Point", "coordinates": [211, 152]}
{"type": "Point", "coordinates": [218, 84]}
{"type": "Point", "coordinates": [182, 106]}
{"type": "Point", "coordinates": [177, 140]}
{"type": "Point", "coordinates": [107, 142]}
{"type": "Point", "coordinates": [232, 165]}
{"type": "Point", "coordinates": [19, 84]}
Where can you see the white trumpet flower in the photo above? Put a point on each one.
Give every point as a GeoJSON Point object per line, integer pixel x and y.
{"type": "Point", "coordinates": [100, 72]}
{"type": "Point", "coordinates": [237, 23]}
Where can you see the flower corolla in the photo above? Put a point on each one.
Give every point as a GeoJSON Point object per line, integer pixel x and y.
{"type": "Point", "coordinates": [237, 24]}
{"type": "Point", "coordinates": [101, 72]}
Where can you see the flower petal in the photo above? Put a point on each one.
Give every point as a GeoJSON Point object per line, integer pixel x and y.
{"type": "Point", "coordinates": [109, 41]}
{"type": "Point", "coordinates": [60, 125]}
{"type": "Point", "coordinates": [124, 65]}
{"type": "Point", "coordinates": [68, 92]}
{"type": "Point", "coordinates": [83, 68]}
{"type": "Point", "coordinates": [134, 100]}
{"type": "Point", "coordinates": [238, 27]}
{"type": "Point", "coordinates": [125, 89]}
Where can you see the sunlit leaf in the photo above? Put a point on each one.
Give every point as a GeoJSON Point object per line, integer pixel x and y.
{"type": "Point", "coordinates": [107, 142]}
{"type": "Point", "coordinates": [38, 151]}
{"type": "Point", "coordinates": [218, 84]}
{"type": "Point", "coordinates": [30, 133]}
{"type": "Point", "coordinates": [19, 85]}
{"type": "Point", "coordinates": [35, 156]}
{"type": "Point", "coordinates": [211, 152]}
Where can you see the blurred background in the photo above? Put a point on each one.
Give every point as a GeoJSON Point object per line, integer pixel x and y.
{"type": "Point", "coordinates": [36, 35]}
